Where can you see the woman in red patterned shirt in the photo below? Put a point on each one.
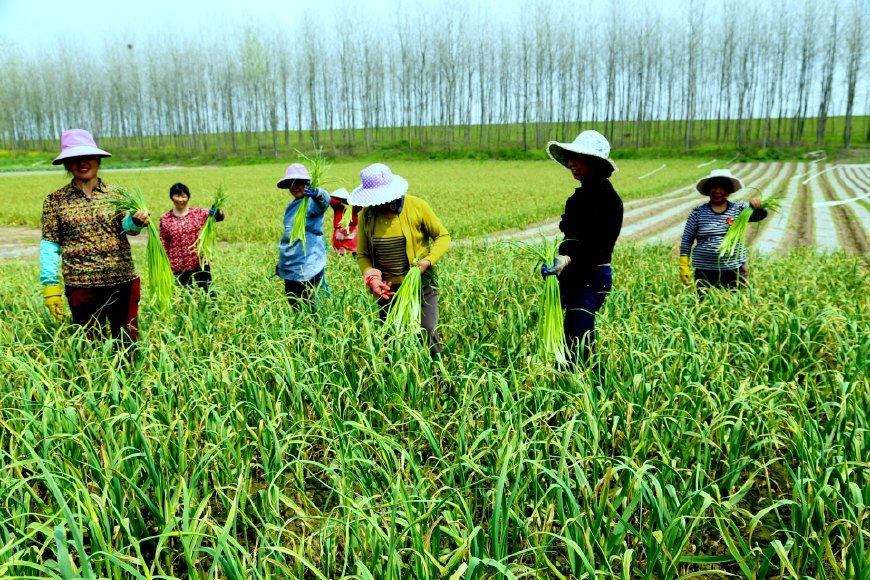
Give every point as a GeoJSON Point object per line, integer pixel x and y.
{"type": "Point", "coordinates": [179, 229]}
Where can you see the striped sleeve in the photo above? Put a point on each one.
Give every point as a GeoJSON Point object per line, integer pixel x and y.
{"type": "Point", "coordinates": [689, 233]}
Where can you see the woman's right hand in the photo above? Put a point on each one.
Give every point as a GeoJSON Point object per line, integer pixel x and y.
{"type": "Point", "coordinates": [376, 284]}
{"type": "Point", "coordinates": [685, 271]}
{"type": "Point", "coordinates": [140, 218]}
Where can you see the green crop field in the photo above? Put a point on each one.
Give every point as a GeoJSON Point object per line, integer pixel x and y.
{"type": "Point", "coordinates": [727, 437]}
{"type": "Point", "coordinates": [471, 197]}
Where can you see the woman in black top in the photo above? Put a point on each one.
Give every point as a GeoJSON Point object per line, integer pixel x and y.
{"type": "Point", "coordinates": [591, 224]}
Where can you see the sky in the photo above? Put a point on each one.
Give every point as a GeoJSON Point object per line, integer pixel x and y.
{"type": "Point", "coordinates": [33, 25]}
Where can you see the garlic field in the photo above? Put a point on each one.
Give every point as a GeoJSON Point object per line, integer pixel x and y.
{"type": "Point", "coordinates": [723, 437]}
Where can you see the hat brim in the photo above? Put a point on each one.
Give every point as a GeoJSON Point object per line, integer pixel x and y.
{"type": "Point", "coordinates": [80, 151]}
{"type": "Point", "coordinates": [285, 183]}
{"type": "Point", "coordinates": [736, 184]}
{"type": "Point", "coordinates": [561, 152]}
{"type": "Point", "coordinates": [340, 194]}
{"type": "Point", "coordinates": [362, 197]}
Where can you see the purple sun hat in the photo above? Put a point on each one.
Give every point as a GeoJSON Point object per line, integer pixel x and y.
{"type": "Point", "coordinates": [78, 143]}
{"type": "Point", "coordinates": [379, 185]}
{"type": "Point", "coordinates": [294, 172]}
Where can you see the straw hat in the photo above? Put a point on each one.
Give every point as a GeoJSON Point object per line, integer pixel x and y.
{"type": "Point", "coordinates": [294, 172]}
{"type": "Point", "coordinates": [379, 185]}
{"type": "Point", "coordinates": [718, 174]}
{"type": "Point", "coordinates": [590, 143]}
{"type": "Point", "coordinates": [340, 193]}
{"type": "Point", "coordinates": [78, 143]}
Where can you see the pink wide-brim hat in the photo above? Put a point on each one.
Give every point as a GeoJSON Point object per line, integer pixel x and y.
{"type": "Point", "coordinates": [379, 185]}
{"type": "Point", "coordinates": [78, 143]}
{"type": "Point", "coordinates": [294, 172]}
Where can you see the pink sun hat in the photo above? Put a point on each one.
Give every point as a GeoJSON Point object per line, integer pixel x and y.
{"type": "Point", "coordinates": [379, 185]}
{"type": "Point", "coordinates": [78, 143]}
{"type": "Point", "coordinates": [294, 172]}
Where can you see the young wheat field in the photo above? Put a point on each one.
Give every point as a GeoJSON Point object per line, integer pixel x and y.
{"type": "Point", "coordinates": [722, 437]}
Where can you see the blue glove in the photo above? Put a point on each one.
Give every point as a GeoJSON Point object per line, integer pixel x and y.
{"type": "Point", "coordinates": [310, 192]}
{"type": "Point", "coordinates": [212, 211]}
{"type": "Point", "coordinates": [558, 265]}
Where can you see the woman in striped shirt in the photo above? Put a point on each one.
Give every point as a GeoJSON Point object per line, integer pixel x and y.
{"type": "Point", "coordinates": [706, 228]}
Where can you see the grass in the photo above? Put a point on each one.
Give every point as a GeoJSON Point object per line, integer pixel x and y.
{"type": "Point", "coordinates": [508, 193]}
{"type": "Point", "coordinates": [254, 441]}
{"type": "Point", "coordinates": [503, 142]}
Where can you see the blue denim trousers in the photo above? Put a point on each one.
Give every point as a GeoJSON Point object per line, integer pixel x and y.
{"type": "Point", "coordinates": [581, 301]}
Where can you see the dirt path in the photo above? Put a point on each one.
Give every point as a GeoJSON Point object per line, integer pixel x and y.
{"type": "Point", "coordinates": [18, 242]}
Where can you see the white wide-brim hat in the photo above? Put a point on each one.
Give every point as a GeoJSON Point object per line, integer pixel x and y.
{"type": "Point", "coordinates": [295, 172]}
{"type": "Point", "coordinates": [591, 143]}
{"type": "Point", "coordinates": [78, 143]}
{"type": "Point", "coordinates": [340, 193]}
{"type": "Point", "coordinates": [379, 185]}
{"type": "Point", "coordinates": [718, 174]}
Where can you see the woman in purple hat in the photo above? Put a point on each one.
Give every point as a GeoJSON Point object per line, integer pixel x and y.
{"type": "Point", "coordinates": [394, 230]}
{"type": "Point", "coordinates": [591, 224]}
{"type": "Point", "coordinates": [301, 266]}
{"type": "Point", "coordinates": [706, 228]}
{"type": "Point", "coordinates": [81, 229]}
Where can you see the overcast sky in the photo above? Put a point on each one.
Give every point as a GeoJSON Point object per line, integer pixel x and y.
{"type": "Point", "coordinates": [38, 24]}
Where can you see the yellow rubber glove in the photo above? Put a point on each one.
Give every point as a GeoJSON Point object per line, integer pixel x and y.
{"type": "Point", "coordinates": [685, 270]}
{"type": "Point", "coordinates": [54, 302]}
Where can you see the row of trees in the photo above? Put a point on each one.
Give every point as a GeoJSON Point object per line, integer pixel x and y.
{"type": "Point", "coordinates": [459, 77]}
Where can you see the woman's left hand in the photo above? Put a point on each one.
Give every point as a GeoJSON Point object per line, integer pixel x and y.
{"type": "Point", "coordinates": [140, 218]}
{"type": "Point", "coordinates": [423, 265]}
{"type": "Point", "coordinates": [755, 203]}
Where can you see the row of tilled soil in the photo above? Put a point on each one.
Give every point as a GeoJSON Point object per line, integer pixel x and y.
{"type": "Point", "coordinates": [823, 205]}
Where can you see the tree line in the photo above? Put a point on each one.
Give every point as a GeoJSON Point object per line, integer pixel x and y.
{"type": "Point", "coordinates": [678, 74]}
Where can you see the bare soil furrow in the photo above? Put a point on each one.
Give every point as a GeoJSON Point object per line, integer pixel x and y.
{"type": "Point", "coordinates": [668, 226]}
{"type": "Point", "coordinates": [662, 215]}
{"type": "Point", "coordinates": [824, 227]}
{"type": "Point", "coordinates": [843, 190]}
{"type": "Point", "coordinates": [775, 188]}
{"type": "Point", "coordinates": [800, 232]}
{"type": "Point", "coordinates": [773, 237]}
{"type": "Point", "coordinates": [851, 228]}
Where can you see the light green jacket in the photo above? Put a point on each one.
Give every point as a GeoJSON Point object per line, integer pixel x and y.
{"type": "Point", "coordinates": [425, 235]}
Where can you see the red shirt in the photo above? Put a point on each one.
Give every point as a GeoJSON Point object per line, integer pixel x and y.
{"type": "Point", "coordinates": [178, 235]}
{"type": "Point", "coordinates": [343, 239]}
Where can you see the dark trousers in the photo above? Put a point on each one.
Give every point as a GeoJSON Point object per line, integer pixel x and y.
{"type": "Point", "coordinates": [301, 291]}
{"type": "Point", "coordinates": [581, 302]}
{"type": "Point", "coordinates": [102, 308]}
{"type": "Point", "coordinates": [706, 279]}
{"type": "Point", "coordinates": [428, 316]}
{"type": "Point", "coordinates": [199, 278]}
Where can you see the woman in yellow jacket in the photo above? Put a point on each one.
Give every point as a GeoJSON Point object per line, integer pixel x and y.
{"type": "Point", "coordinates": [395, 230]}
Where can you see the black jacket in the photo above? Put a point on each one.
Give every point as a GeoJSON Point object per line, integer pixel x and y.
{"type": "Point", "coordinates": [591, 224]}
